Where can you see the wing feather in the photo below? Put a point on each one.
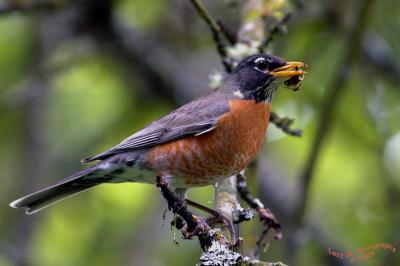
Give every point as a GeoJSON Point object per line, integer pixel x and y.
{"type": "Point", "coordinates": [193, 119]}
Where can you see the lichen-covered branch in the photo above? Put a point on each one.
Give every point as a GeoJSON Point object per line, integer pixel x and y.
{"type": "Point", "coordinates": [219, 239]}
{"type": "Point", "coordinates": [220, 252]}
{"type": "Point", "coordinates": [250, 36]}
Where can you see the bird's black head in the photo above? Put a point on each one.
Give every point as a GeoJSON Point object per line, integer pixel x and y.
{"type": "Point", "coordinates": [258, 76]}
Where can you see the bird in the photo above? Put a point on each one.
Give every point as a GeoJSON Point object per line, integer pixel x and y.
{"type": "Point", "coordinates": [198, 144]}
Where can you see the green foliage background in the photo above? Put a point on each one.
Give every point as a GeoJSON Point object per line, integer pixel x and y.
{"type": "Point", "coordinates": [75, 95]}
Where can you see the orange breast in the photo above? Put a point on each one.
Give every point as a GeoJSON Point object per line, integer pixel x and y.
{"type": "Point", "coordinates": [225, 151]}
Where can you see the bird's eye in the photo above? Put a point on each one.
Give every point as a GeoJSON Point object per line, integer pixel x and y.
{"type": "Point", "coordinates": [261, 65]}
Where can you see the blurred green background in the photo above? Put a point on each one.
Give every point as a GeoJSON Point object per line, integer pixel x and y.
{"type": "Point", "coordinates": [79, 77]}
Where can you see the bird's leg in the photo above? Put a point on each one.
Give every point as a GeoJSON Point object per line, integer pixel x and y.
{"type": "Point", "coordinates": [266, 216]}
{"type": "Point", "coordinates": [212, 220]}
{"type": "Point", "coordinates": [216, 216]}
{"type": "Point", "coordinates": [202, 207]}
{"type": "Point", "coordinates": [195, 225]}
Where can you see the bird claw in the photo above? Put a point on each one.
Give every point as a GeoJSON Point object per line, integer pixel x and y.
{"type": "Point", "coordinates": [193, 225]}
{"type": "Point", "coordinates": [204, 225]}
{"type": "Point", "coordinates": [220, 218]}
{"type": "Point", "coordinates": [202, 228]}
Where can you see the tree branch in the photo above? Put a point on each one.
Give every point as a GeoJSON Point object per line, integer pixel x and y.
{"type": "Point", "coordinates": [219, 253]}
{"type": "Point", "coordinates": [216, 240]}
{"type": "Point", "coordinates": [226, 202]}
{"type": "Point", "coordinates": [274, 30]}
{"type": "Point", "coordinates": [216, 33]}
{"type": "Point", "coordinates": [285, 123]}
{"type": "Point", "coordinates": [251, 31]}
{"type": "Point", "coordinates": [266, 216]}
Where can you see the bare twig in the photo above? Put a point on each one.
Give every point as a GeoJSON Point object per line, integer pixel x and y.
{"type": "Point", "coordinates": [285, 123]}
{"type": "Point", "coordinates": [265, 214]}
{"type": "Point", "coordinates": [274, 30]}
{"type": "Point", "coordinates": [216, 33]}
{"type": "Point", "coordinates": [228, 33]}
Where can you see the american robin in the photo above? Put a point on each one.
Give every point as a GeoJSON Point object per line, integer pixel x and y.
{"type": "Point", "coordinates": [207, 139]}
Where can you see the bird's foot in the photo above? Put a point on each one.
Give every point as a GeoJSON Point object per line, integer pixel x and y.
{"type": "Point", "coordinates": [175, 203]}
{"type": "Point", "coordinates": [192, 225]}
{"type": "Point", "coordinates": [215, 218]}
{"type": "Point", "coordinates": [202, 228]}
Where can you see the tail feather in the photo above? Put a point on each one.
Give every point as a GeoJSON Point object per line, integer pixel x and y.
{"type": "Point", "coordinates": [64, 188]}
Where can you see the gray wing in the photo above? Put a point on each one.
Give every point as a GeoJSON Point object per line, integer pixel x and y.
{"type": "Point", "coordinates": [193, 119]}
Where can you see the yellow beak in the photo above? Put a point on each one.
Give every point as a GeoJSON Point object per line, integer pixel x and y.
{"type": "Point", "coordinates": [289, 70]}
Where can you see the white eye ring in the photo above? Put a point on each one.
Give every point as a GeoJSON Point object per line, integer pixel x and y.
{"type": "Point", "coordinates": [259, 59]}
{"type": "Point", "coordinates": [262, 58]}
